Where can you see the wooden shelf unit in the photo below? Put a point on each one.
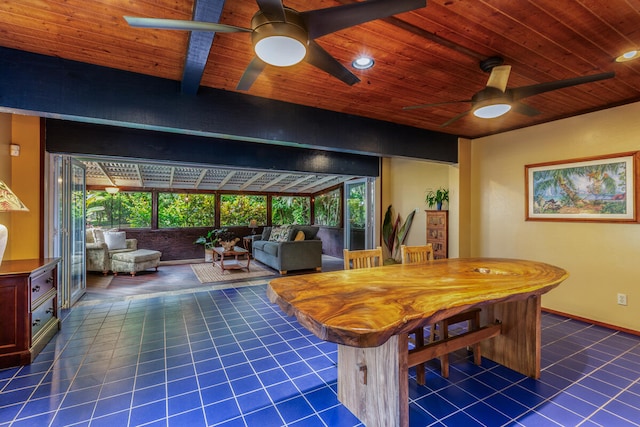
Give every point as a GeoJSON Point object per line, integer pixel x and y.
{"type": "Point", "coordinates": [28, 308]}
{"type": "Point", "coordinates": [438, 232]}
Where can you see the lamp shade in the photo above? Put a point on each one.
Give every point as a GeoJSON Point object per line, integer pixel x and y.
{"type": "Point", "coordinates": [9, 201]}
{"type": "Point", "coordinates": [253, 224]}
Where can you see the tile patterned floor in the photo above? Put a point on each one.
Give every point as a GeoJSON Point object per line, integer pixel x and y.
{"type": "Point", "coordinates": [230, 358]}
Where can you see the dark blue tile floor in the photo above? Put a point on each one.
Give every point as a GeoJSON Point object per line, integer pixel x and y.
{"type": "Point", "coordinates": [230, 358]}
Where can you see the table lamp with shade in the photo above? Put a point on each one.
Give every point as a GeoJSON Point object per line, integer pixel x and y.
{"type": "Point", "coordinates": [8, 202]}
{"type": "Point", "coordinates": [253, 224]}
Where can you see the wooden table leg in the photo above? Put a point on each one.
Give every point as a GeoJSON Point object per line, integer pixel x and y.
{"type": "Point", "coordinates": [518, 346]}
{"type": "Point", "coordinates": [373, 382]}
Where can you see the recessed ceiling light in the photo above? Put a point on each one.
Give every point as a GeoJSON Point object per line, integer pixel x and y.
{"type": "Point", "coordinates": [363, 63]}
{"type": "Point", "coordinates": [628, 56]}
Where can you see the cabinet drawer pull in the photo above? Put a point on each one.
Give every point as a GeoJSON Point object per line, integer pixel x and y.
{"type": "Point", "coordinates": [49, 310]}
{"type": "Point", "coordinates": [36, 288]}
{"type": "Point", "coordinates": [50, 280]}
{"type": "Point", "coordinates": [36, 322]}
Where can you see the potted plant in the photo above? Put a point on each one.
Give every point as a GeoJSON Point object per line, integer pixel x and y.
{"type": "Point", "coordinates": [213, 238]}
{"type": "Point", "coordinates": [435, 198]}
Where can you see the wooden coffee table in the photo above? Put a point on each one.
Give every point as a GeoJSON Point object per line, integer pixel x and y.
{"type": "Point", "coordinates": [236, 258]}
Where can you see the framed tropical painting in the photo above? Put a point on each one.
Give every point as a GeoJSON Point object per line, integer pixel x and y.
{"type": "Point", "coordinates": [600, 188]}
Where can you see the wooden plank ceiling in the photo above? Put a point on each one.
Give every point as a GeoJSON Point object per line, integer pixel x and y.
{"type": "Point", "coordinates": [430, 55]}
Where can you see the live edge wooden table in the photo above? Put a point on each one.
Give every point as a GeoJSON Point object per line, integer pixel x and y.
{"type": "Point", "coordinates": [370, 312]}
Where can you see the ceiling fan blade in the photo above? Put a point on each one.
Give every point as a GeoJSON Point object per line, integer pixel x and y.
{"type": "Point", "coordinates": [320, 58]}
{"type": "Point", "coordinates": [455, 119]}
{"type": "Point", "coordinates": [525, 91]}
{"type": "Point", "coordinates": [177, 24]}
{"type": "Point", "coordinates": [273, 10]}
{"type": "Point", "coordinates": [524, 109]}
{"type": "Point", "coordinates": [499, 77]}
{"type": "Point", "coordinates": [251, 73]}
{"type": "Point", "coordinates": [415, 107]}
{"type": "Point", "coordinates": [321, 22]}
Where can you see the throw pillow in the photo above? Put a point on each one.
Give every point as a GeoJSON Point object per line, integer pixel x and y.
{"type": "Point", "coordinates": [115, 240]}
{"type": "Point", "coordinates": [98, 235]}
{"type": "Point", "coordinates": [266, 233]}
{"type": "Point", "coordinates": [89, 236]}
{"type": "Point", "coordinates": [280, 234]}
{"type": "Point", "coordinates": [299, 236]}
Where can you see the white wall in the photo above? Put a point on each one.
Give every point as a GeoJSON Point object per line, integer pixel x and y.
{"type": "Point", "coordinates": [602, 259]}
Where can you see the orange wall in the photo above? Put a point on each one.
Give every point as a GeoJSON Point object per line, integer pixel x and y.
{"type": "Point", "coordinates": [23, 176]}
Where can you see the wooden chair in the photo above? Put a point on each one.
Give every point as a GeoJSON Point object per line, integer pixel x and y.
{"type": "Point", "coordinates": [365, 258]}
{"type": "Point", "coordinates": [423, 255]}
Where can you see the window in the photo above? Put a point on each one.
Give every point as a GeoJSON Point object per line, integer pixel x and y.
{"type": "Point", "coordinates": [238, 209]}
{"type": "Point", "coordinates": [327, 209]}
{"type": "Point", "coordinates": [186, 210]}
{"type": "Point", "coordinates": [290, 210]}
{"type": "Point", "coordinates": [130, 209]}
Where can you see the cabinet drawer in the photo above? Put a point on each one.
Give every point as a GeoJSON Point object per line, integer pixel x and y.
{"type": "Point", "coordinates": [41, 315]}
{"type": "Point", "coordinates": [41, 283]}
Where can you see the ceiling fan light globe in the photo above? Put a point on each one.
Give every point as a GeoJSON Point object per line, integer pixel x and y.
{"type": "Point", "coordinates": [281, 51]}
{"type": "Point", "coordinates": [492, 111]}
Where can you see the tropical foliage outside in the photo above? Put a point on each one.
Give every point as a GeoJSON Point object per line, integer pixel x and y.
{"type": "Point", "coordinates": [327, 209]}
{"type": "Point", "coordinates": [290, 210]}
{"type": "Point", "coordinates": [134, 209]}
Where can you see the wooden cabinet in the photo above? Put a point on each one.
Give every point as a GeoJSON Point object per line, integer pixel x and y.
{"type": "Point", "coordinates": [438, 233]}
{"type": "Point", "coordinates": [28, 308]}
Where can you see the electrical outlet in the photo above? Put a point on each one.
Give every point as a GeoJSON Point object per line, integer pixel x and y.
{"type": "Point", "coordinates": [622, 299]}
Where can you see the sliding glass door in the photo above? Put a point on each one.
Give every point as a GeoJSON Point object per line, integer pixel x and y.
{"type": "Point", "coordinates": [359, 214]}
{"type": "Point", "coordinates": [69, 228]}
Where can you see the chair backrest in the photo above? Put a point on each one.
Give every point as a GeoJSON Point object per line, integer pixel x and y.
{"type": "Point", "coordinates": [365, 258]}
{"type": "Point", "coordinates": [416, 254]}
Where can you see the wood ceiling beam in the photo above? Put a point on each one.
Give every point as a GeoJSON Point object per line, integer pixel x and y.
{"type": "Point", "coordinates": [140, 180]}
{"type": "Point", "coordinates": [106, 174]}
{"type": "Point", "coordinates": [203, 173]}
{"type": "Point", "coordinates": [296, 182]}
{"type": "Point", "coordinates": [274, 181]}
{"type": "Point", "coordinates": [226, 179]}
{"type": "Point", "coordinates": [319, 182]}
{"type": "Point", "coordinates": [253, 179]}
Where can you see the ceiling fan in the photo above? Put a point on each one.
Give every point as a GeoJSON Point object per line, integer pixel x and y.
{"type": "Point", "coordinates": [283, 37]}
{"type": "Point", "coordinates": [495, 99]}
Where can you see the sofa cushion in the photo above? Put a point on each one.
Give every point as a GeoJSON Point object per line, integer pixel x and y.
{"type": "Point", "coordinates": [310, 231]}
{"type": "Point", "coordinates": [115, 240]}
{"type": "Point", "coordinates": [299, 236]}
{"type": "Point", "coordinates": [271, 248]}
{"type": "Point", "coordinates": [266, 232]}
{"type": "Point", "coordinates": [98, 235]}
{"type": "Point", "coordinates": [259, 244]}
{"type": "Point", "coordinates": [89, 236]}
{"type": "Point", "coordinates": [280, 234]}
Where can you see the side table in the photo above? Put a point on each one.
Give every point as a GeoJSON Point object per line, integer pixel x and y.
{"type": "Point", "coordinates": [236, 263]}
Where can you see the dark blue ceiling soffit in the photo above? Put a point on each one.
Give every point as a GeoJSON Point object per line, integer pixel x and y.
{"type": "Point", "coordinates": [58, 88]}
{"type": "Point", "coordinates": [199, 44]}
{"type": "Point", "coordinates": [99, 140]}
